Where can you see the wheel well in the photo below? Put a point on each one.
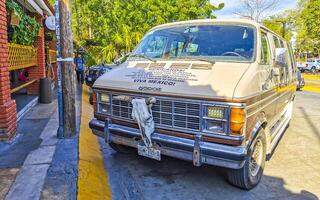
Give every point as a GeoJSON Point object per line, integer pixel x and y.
{"type": "Point", "coordinates": [261, 123]}
{"type": "Point", "coordinates": [264, 125]}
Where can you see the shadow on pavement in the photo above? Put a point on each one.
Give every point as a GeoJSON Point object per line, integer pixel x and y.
{"type": "Point", "coordinates": [311, 124]}
{"type": "Point", "coordinates": [143, 178]}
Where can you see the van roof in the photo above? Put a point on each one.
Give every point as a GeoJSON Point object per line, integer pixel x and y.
{"type": "Point", "coordinates": [208, 21]}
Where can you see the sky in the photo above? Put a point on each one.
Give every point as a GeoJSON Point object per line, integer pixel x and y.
{"type": "Point", "coordinates": [230, 6]}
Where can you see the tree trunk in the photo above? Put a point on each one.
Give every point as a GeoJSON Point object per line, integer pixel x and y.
{"type": "Point", "coordinates": [67, 70]}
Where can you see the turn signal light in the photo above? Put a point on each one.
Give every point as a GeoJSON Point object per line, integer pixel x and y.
{"type": "Point", "coordinates": [94, 101]}
{"type": "Point", "coordinates": [237, 121]}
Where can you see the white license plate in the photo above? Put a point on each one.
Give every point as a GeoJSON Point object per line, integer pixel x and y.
{"type": "Point", "coordinates": [89, 79]}
{"type": "Point", "coordinates": [149, 152]}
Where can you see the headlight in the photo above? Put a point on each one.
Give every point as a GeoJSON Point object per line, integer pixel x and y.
{"type": "Point", "coordinates": [214, 126]}
{"type": "Point", "coordinates": [215, 119]}
{"type": "Point", "coordinates": [215, 112]}
{"type": "Point", "coordinates": [104, 98]}
{"type": "Point", "coordinates": [103, 103]}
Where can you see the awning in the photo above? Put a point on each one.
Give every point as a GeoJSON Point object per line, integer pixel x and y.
{"type": "Point", "coordinates": [31, 6]}
{"type": "Point", "coordinates": [44, 7]}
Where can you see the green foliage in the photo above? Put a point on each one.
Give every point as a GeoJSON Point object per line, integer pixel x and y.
{"type": "Point", "coordinates": [116, 26]}
{"type": "Point", "coordinates": [308, 23]}
{"type": "Point", "coordinates": [275, 24]}
{"type": "Point", "coordinates": [27, 31]}
{"type": "Point", "coordinates": [304, 21]}
{"type": "Point", "coordinates": [310, 16]}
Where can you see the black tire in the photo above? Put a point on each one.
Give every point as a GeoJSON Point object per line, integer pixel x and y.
{"type": "Point", "coordinates": [121, 148]}
{"type": "Point", "coordinates": [243, 178]}
{"type": "Point", "coordinates": [313, 69]}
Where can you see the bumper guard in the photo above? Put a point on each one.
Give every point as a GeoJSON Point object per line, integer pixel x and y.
{"type": "Point", "coordinates": [197, 151]}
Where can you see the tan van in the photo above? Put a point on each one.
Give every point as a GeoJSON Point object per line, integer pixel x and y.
{"type": "Point", "coordinates": [216, 92]}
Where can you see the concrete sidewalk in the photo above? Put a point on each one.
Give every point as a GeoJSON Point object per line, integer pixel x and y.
{"type": "Point", "coordinates": [35, 164]}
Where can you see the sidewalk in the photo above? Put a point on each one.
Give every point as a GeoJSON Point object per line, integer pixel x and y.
{"type": "Point", "coordinates": [35, 164]}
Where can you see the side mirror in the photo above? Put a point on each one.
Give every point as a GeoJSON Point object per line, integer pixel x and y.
{"type": "Point", "coordinates": [281, 56]}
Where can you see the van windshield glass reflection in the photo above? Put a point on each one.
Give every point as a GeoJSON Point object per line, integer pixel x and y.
{"type": "Point", "coordinates": [216, 42]}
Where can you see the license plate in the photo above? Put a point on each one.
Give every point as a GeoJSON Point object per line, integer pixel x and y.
{"type": "Point", "coordinates": [89, 79]}
{"type": "Point", "coordinates": [149, 152]}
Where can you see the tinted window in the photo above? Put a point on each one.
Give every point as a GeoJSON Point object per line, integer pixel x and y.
{"type": "Point", "coordinates": [265, 51]}
{"type": "Point", "coordinates": [282, 44]}
{"type": "Point", "coordinates": [219, 42]}
{"type": "Point", "coordinates": [276, 42]}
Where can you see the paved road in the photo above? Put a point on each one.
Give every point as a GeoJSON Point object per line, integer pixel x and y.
{"type": "Point", "coordinates": [292, 173]}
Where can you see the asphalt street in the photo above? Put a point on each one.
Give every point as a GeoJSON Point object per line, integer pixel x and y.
{"type": "Point", "coordinates": [292, 173]}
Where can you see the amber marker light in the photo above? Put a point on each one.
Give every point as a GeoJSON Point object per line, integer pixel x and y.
{"type": "Point", "coordinates": [237, 121]}
{"type": "Point", "coordinates": [94, 100]}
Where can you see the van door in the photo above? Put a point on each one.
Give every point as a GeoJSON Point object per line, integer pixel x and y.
{"type": "Point", "coordinates": [286, 79]}
{"type": "Point", "coordinates": [269, 84]}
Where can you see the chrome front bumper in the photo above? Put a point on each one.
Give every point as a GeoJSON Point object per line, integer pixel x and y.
{"type": "Point", "coordinates": [197, 151]}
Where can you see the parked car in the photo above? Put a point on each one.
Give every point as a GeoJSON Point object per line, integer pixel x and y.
{"type": "Point", "coordinates": [312, 65]}
{"type": "Point", "coordinates": [300, 81]}
{"type": "Point", "coordinates": [94, 72]}
{"type": "Point", "coordinates": [301, 67]}
{"type": "Point", "coordinates": [204, 91]}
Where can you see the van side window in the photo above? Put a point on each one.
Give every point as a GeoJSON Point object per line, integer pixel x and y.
{"type": "Point", "coordinates": [293, 60]}
{"type": "Point", "coordinates": [265, 50]}
{"type": "Point", "coordinates": [282, 44]}
{"type": "Point", "coordinates": [276, 42]}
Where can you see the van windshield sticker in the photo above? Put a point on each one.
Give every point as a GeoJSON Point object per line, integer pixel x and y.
{"type": "Point", "coordinates": [162, 76]}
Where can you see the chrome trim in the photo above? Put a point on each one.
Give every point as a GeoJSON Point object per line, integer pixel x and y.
{"type": "Point", "coordinates": [261, 101]}
{"type": "Point", "coordinates": [261, 108]}
{"type": "Point", "coordinates": [202, 105]}
{"type": "Point", "coordinates": [188, 98]}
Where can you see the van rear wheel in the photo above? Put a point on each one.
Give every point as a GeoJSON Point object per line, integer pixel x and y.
{"type": "Point", "coordinates": [250, 174]}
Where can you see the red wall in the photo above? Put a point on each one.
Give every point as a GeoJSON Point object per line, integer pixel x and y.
{"type": "Point", "coordinates": [8, 113]}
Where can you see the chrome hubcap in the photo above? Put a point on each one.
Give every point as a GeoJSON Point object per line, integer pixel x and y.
{"type": "Point", "coordinates": [256, 158]}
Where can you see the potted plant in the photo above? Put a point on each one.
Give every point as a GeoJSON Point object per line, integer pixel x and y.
{"type": "Point", "coordinates": [48, 36]}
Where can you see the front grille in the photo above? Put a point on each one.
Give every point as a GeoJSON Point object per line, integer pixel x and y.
{"type": "Point", "coordinates": [166, 113]}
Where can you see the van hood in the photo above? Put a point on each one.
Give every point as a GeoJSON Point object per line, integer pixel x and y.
{"type": "Point", "coordinates": [195, 79]}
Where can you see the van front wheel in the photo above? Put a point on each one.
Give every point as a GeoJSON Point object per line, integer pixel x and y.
{"type": "Point", "coordinates": [250, 174]}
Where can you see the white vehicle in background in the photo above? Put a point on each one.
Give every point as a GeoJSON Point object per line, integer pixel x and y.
{"type": "Point", "coordinates": [312, 65]}
{"type": "Point", "coordinates": [301, 66]}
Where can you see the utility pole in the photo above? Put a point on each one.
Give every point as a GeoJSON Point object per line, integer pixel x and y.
{"type": "Point", "coordinates": [66, 81]}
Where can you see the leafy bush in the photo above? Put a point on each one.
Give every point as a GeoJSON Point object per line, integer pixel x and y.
{"type": "Point", "coordinates": [27, 31]}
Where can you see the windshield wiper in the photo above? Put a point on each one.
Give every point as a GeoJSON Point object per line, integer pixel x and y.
{"type": "Point", "coordinates": [195, 58]}
{"type": "Point", "coordinates": [142, 56]}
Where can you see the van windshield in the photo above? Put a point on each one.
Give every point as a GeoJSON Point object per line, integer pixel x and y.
{"type": "Point", "coordinates": [210, 42]}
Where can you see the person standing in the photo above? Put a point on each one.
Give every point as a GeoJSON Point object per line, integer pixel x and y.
{"type": "Point", "coordinates": [79, 62]}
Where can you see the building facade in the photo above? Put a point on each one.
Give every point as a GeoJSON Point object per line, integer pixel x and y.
{"type": "Point", "coordinates": [22, 66]}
